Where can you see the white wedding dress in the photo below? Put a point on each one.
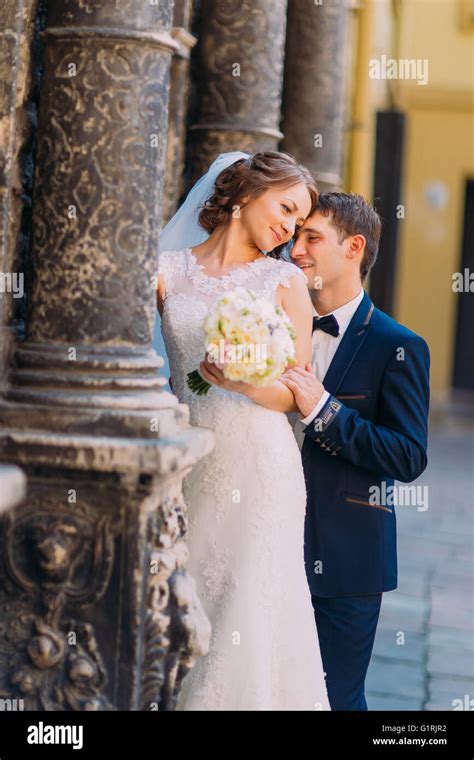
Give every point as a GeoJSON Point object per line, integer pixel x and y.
{"type": "Point", "coordinates": [246, 505]}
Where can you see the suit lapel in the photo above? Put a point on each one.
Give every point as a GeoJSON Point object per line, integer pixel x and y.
{"type": "Point", "coordinates": [350, 344]}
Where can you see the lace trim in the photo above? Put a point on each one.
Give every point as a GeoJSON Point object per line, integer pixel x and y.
{"type": "Point", "coordinates": [172, 264]}
{"type": "Point", "coordinates": [207, 284]}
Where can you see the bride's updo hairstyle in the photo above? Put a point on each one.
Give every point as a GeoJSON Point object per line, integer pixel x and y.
{"type": "Point", "coordinates": [251, 177]}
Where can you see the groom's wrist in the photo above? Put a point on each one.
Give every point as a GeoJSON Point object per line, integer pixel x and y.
{"type": "Point", "coordinates": [322, 401]}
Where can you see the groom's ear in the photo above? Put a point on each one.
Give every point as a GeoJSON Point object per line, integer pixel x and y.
{"type": "Point", "coordinates": [356, 246]}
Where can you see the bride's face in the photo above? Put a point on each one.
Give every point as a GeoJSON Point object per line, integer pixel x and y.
{"type": "Point", "coordinates": [271, 219]}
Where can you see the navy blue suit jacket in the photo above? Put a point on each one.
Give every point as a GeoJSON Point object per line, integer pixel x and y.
{"type": "Point", "coordinates": [373, 429]}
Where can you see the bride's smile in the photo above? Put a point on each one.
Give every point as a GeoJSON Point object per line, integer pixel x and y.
{"type": "Point", "coordinates": [261, 223]}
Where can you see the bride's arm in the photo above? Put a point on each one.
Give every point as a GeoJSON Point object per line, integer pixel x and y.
{"type": "Point", "coordinates": [297, 304]}
{"type": "Point", "coordinates": [160, 294]}
{"type": "Point", "coordinates": [276, 396]}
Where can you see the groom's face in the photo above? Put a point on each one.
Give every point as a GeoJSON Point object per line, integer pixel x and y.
{"type": "Point", "coordinates": [318, 252]}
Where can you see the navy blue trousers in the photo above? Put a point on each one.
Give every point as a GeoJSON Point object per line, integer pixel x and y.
{"type": "Point", "coordinates": [346, 631]}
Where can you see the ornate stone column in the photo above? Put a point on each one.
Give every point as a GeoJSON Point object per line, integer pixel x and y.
{"type": "Point", "coordinates": [314, 89]}
{"type": "Point", "coordinates": [241, 48]}
{"type": "Point", "coordinates": [17, 113]}
{"type": "Point", "coordinates": [17, 26]}
{"type": "Point", "coordinates": [179, 77]}
{"type": "Point", "coordinates": [97, 609]}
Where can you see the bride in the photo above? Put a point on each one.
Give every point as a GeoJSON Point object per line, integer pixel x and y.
{"type": "Point", "coordinates": [246, 499]}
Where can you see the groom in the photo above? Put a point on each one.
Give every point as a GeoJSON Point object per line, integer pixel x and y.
{"type": "Point", "coordinates": [364, 407]}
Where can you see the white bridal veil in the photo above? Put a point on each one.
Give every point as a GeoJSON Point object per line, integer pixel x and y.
{"type": "Point", "coordinates": [183, 230]}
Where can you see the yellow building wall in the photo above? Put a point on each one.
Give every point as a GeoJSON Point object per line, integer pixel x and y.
{"type": "Point", "coordinates": [438, 157]}
{"type": "Point", "coordinates": [439, 154]}
{"type": "Point", "coordinates": [438, 149]}
{"type": "Point", "coordinates": [373, 31]}
{"type": "Point", "coordinates": [432, 29]}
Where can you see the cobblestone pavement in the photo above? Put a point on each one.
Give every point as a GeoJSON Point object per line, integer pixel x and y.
{"type": "Point", "coordinates": [423, 656]}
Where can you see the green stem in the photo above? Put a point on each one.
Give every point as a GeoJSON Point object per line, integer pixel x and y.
{"type": "Point", "coordinates": [197, 383]}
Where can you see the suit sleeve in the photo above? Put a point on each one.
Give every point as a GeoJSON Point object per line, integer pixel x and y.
{"type": "Point", "coordinates": [396, 445]}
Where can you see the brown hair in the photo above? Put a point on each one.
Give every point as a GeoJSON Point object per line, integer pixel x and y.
{"type": "Point", "coordinates": [252, 176]}
{"type": "Point", "coordinates": [352, 215]}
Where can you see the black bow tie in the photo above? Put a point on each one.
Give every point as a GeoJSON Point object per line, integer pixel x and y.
{"type": "Point", "coordinates": [328, 324]}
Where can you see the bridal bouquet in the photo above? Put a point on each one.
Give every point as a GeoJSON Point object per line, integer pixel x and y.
{"type": "Point", "coordinates": [249, 338]}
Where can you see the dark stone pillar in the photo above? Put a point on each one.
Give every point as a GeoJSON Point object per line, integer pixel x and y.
{"type": "Point", "coordinates": [98, 188]}
{"type": "Point", "coordinates": [17, 114]}
{"type": "Point", "coordinates": [241, 49]}
{"type": "Point", "coordinates": [314, 90]}
{"type": "Point", "coordinates": [97, 609]}
{"type": "Point", "coordinates": [179, 90]}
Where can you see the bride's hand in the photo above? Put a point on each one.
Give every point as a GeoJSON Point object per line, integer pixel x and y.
{"type": "Point", "coordinates": [214, 375]}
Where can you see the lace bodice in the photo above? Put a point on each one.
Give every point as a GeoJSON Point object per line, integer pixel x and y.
{"type": "Point", "coordinates": [189, 295]}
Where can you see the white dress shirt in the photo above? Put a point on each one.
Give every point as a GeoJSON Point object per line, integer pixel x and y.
{"type": "Point", "coordinates": [324, 348]}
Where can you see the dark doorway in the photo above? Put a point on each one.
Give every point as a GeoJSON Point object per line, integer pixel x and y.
{"type": "Point", "coordinates": [387, 195]}
{"type": "Point", "coordinates": [463, 373]}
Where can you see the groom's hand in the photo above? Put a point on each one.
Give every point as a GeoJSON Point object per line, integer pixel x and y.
{"type": "Point", "coordinates": [305, 387]}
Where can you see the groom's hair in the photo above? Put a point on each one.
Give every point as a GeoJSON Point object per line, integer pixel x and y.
{"type": "Point", "coordinates": [252, 176]}
{"type": "Point", "coordinates": [350, 214]}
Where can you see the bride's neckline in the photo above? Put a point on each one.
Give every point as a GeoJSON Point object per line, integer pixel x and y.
{"type": "Point", "coordinates": [200, 267]}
